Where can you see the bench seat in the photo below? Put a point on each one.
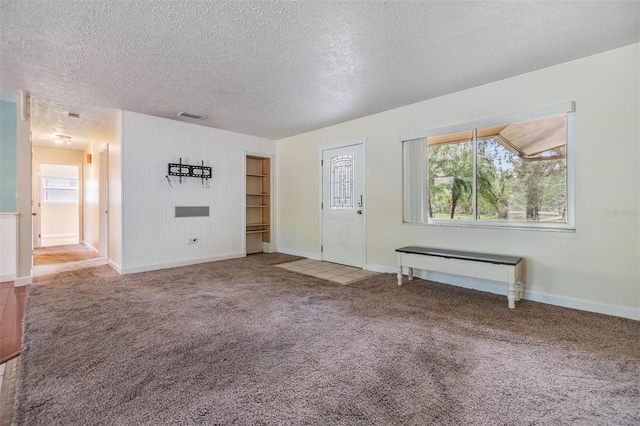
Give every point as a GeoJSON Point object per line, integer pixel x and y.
{"type": "Point", "coordinates": [507, 269]}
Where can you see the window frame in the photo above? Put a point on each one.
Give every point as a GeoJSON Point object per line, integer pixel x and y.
{"type": "Point", "coordinates": [567, 108]}
{"type": "Point", "coordinates": [43, 190]}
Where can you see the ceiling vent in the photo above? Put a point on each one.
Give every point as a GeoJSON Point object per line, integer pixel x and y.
{"type": "Point", "coordinates": [189, 115]}
{"type": "Point", "coordinates": [73, 115]}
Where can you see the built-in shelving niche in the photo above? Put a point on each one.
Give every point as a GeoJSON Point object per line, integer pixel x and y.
{"type": "Point", "coordinates": [259, 203]}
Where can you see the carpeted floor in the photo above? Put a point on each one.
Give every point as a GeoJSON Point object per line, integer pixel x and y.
{"type": "Point", "coordinates": [242, 342]}
{"type": "Point", "coordinates": [62, 254]}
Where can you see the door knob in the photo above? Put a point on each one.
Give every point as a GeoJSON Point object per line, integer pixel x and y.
{"type": "Point", "coordinates": [33, 214]}
{"type": "Point", "coordinates": [359, 212]}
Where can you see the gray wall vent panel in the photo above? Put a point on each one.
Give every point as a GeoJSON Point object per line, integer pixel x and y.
{"type": "Point", "coordinates": [192, 211]}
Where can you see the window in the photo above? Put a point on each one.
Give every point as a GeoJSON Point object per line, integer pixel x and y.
{"type": "Point", "coordinates": [59, 190]}
{"type": "Point", "coordinates": [341, 170]}
{"type": "Point", "coordinates": [511, 171]}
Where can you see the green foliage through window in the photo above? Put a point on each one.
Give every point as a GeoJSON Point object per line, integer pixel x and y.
{"type": "Point", "coordinates": [520, 173]}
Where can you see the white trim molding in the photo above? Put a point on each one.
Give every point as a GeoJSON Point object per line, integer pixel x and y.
{"type": "Point", "coordinates": [90, 247]}
{"type": "Point", "coordinates": [155, 267]}
{"type": "Point", "coordinates": [532, 295]}
{"type": "Point", "coordinates": [308, 255]}
{"type": "Point", "coordinates": [23, 281]}
{"type": "Point", "coordinates": [9, 245]}
{"type": "Point", "coordinates": [562, 108]}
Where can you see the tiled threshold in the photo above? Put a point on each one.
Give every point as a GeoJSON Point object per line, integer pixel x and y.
{"type": "Point", "coordinates": [8, 372]}
{"type": "Point", "coordinates": [340, 274]}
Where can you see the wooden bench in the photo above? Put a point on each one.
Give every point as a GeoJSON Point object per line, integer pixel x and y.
{"type": "Point", "coordinates": [478, 265]}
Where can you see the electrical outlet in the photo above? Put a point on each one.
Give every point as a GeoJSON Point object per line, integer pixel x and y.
{"type": "Point", "coordinates": [194, 241]}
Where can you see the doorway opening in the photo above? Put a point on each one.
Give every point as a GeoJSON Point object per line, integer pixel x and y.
{"type": "Point", "coordinates": [58, 205]}
{"type": "Point", "coordinates": [57, 199]}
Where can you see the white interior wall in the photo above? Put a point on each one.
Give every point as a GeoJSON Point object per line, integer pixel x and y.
{"type": "Point", "coordinates": [110, 134]}
{"type": "Point", "coordinates": [153, 237]}
{"type": "Point", "coordinates": [90, 216]}
{"type": "Point", "coordinates": [114, 139]}
{"type": "Point", "coordinates": [594, 268]}
{"type": "Point", "coordinates": [23, 192]}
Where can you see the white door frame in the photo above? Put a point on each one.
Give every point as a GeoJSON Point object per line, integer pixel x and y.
{"type": "Point", "coordinates": [103, 202]}
{"type": "Point", "coordinates": [321, 150]}
{"type": "Point", "coordinates": [37, 191]}
{"type": "Point", "coordinates": [36, 241]}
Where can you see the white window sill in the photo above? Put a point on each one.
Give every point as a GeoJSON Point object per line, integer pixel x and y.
{"type": "Point", "coordinates": [519, 227]}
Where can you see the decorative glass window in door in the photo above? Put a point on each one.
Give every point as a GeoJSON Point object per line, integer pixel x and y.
{"type": "Point", "coordinates": [342, 169]}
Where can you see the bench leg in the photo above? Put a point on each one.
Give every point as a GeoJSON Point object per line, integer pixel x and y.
{"type": "Point", "coordinates": [519, 290]}
{"type": "Point", "coordinates": [399, 275]}
{"type": "Point", "coordinates": [410, 274]}
{"type": "Point", "coordinates": [511, 295]}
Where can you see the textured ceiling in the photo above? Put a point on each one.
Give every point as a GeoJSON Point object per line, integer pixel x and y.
{"type": "Point", "coordinates": [280, 68]}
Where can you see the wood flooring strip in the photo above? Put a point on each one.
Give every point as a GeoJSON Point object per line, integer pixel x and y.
{"type": "Point", "coordinates": [11, 321]}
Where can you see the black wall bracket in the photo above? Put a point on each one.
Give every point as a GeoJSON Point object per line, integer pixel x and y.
{"type": "Point", "coordinates": [185, 170]}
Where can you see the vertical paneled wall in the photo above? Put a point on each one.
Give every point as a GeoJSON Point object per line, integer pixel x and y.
{"type": "Point", "coordinates": [152, 236]}
{"type": "Point", "coordinates": [8, 246]}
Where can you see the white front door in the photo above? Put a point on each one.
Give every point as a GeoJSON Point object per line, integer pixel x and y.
{"type": "Point", "coordinates": [343, 184]}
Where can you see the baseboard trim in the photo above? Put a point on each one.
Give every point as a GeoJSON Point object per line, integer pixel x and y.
{"type": "Point", "coordinates": [7, 277]}
{"type": "Point", "coordinates": [583, 305]}
{"type": "Point", "coordinates": [90, 247]}
{"type": "Point", "coordinates": [501, 289]}
{"type": "Point", "coordinates": [115, 266]}
{"type": "Point", "coordinates": [155, 267]}
{"type": "Point", "coordinates": [385, 269]}
{"type": "Point", "coordinates": [22, 281]}
{"type": "Point", "coordinates": [308, 255]}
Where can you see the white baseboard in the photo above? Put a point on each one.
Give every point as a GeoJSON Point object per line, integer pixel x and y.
{"type": "Point", "coordinates": [583, 305]}
{"type": "Point", "coordinates": [89, 246]}
{"type": "Point", "coordinates": [7, 277]}
{"type": "Point", "coordinates": [501, 289]}
{"type": "Point", "coordinates": [308, 255]}
{"type": "Point", "coordinates": [22, 281]}
{"type": "Point", "coordinates": [115, 266]}
{"type": "Point", "coordinates": [385, 269]}
{"type": "Point", "coordinates": [145, 268]}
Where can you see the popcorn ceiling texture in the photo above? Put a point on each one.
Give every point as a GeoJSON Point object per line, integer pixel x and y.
{"type": "Point", "coordinates": [277, 69]}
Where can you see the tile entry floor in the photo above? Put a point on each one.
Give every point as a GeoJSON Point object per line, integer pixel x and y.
{"type": "Point", "coordinates": [8, 373]}
{"type": "Point", "coordinates": [341, 274]}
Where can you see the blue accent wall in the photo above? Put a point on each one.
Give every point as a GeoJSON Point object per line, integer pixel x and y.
{"type": "Point", "coordinates": [8, 158]}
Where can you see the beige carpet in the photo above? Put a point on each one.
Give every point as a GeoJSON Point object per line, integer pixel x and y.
{"type": "Point", "coordinates": [62, 254]}
{"type": "Point", "coordinates": [242, 342]}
